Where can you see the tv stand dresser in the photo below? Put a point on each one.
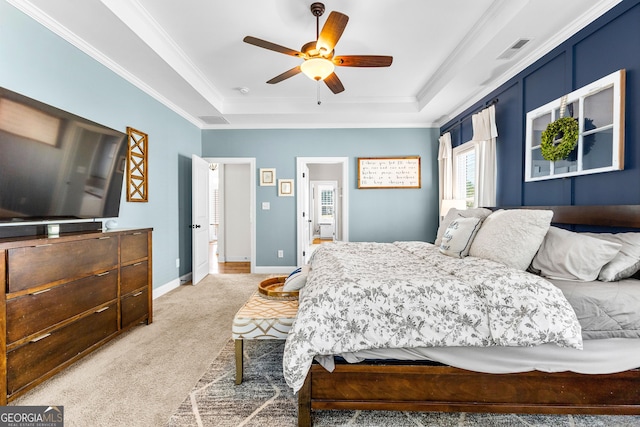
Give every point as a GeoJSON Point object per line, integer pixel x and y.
{"type": "Point", "coordinates": [65, 297]}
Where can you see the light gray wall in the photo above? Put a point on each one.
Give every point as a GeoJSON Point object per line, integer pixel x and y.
{"type": "Point", "coordinates": [383, 215]}
{"type": "Point", "coordinates": [39, 64]}
{"type": "Point", "coordinates": [237, 214]}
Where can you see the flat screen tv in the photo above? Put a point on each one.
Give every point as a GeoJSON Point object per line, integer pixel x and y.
{"type": "Point", "coordinates": [55, 165]}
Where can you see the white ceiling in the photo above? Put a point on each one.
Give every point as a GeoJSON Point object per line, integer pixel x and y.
{"type": "Point", "coordinates": [189, 54]}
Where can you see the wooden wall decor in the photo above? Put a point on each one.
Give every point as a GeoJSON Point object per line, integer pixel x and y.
{"type": "Point", "coordinates": [137, 171]}
{"type": "Point", "coordinates": [389, 172]}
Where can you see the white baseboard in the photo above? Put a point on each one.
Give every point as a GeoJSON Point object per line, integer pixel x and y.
{"type": "Point", "coordinates": [274, 270]}
{"type": "Point", "coordinates": [168, 287]}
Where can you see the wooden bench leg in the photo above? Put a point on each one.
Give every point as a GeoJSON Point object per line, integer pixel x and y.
{"type": "Point", "coordinates": [239, 361]}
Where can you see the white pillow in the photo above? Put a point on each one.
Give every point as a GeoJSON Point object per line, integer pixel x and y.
{"type": "Point", "coordinates": [296, 280]}
{"type": "Point", "coordinates": [573, 256]}
{"type": "Point", "coordinates": [459, 213]}
{"type": "Point", "coordinates": [627, 262]}
{"type": "Point", "coordinates": [457, 239]}
{"type": "Point", "coordinates": [512, 236]}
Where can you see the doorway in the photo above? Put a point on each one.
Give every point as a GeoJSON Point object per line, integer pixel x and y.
{"type": "Point", "coordinates": [323, 202]}
{"type": "Point", "coordinates": [230, 199]}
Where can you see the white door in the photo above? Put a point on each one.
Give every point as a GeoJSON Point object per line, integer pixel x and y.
{"type": "Point", "coordinates": [304, 228]}
{"type": "Point", "coordinates": [307, 218]}
{"type": "Point", "coordinates": [199, 218]}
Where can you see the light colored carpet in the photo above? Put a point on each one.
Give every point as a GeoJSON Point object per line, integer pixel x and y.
{"type": "Point", "coordinates": [141, 377]}
{"type": "Point", "coordinates": [264, 399]}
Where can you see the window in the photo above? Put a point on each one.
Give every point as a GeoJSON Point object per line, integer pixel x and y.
{"type": "Point", "coordinates": [464, 173]}
{"type": "Point", "coordinates": [599, 110]}
{"type": "Point", "coordinates": [326, 202]}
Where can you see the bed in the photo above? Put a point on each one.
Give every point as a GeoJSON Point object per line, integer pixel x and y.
{"type": "Point", "coordinates": [443, 382]}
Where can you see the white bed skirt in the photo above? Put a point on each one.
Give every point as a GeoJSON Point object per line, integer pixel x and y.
{"type": "Point", "coordinates": [603, 356]}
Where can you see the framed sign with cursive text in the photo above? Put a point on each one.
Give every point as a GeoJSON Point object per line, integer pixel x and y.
{"type": "Point", "coordinates": [389, 172]}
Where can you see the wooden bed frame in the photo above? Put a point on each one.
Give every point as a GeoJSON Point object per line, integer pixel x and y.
{"type": "Point", "coordinates": [435, 387]}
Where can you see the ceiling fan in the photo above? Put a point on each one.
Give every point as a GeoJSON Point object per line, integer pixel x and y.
{"type": "Point", "coordinates": [319, 59]}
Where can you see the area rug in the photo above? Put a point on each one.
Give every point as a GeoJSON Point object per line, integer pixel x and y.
{"type": "Point", "coordinates": [264, 400]}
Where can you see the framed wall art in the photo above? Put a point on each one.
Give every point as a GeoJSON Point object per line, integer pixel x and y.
{"type": "Point", "coordinates": [596, 143]}
{"type": "Point", "coordinates": [267, 177]}
{"type": "Point", "coordinates": [137, 167]}
{"type": "Point", "coordinates": [389, 172]}
{"type": "Point", "coordinates": [285, 187]}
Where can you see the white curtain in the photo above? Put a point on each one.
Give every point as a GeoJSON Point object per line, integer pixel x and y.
{"type": "Point", "coordinates": [484, 134]}
{"type": "Point", "coordinates": [445, 170]}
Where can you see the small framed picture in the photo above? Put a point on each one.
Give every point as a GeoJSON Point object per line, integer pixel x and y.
{"type": "Point", "coordinates": [267, 176]}
{"type": "Point", "coordinates": [285, 187]}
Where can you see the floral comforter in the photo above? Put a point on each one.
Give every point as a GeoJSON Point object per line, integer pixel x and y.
{"type": "Point", "coordinates": [362, 295]}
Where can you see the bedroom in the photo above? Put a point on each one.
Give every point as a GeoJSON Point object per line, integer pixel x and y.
{"type": "Point", "coordinates": [79, 83]}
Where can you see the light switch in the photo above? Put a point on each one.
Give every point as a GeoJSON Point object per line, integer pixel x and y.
{"type": "Point", "coordinates": [266, 206]}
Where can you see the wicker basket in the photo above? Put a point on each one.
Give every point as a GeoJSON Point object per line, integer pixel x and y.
{"type": "Point", "coordinates": [272, 289]}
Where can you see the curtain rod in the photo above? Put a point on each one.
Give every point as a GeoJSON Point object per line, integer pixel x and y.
{"type": "Point", "coordinates": [487, 104]}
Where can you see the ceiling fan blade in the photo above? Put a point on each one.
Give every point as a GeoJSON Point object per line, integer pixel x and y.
{"type": "Point", "coordinates": [331, 31]}
{"type": "Point", "coordinates": [363, 60]}
{"type": "Point", "coordinates": [271, 46]}
{"type": "Point", "coordinates": [334, 83]}
{"type": "Point", "coordinates": [290, 73]}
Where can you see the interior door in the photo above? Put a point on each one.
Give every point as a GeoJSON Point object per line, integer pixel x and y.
{"type": "Point", "coordinates": [199, 218]}
{"type": "Point", "coordinates": [306, 214]}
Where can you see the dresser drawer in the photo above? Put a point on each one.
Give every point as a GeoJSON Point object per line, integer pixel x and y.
{"type": "Point", "coordinates": [134, 307]}
{"type": "Point", "coordinates": [41, 356]}
{"type": "Point", "coordinates": [33, 266]}
{"type": "Point", "coordinates": [133, 247]}
{"type": "Point", "coordinates": [134, 276]}
{"type": "Point", "coordinates": [31, 313]}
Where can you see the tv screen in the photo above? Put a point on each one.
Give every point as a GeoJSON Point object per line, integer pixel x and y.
{"type": "Point", "coordinates": [55, 165]}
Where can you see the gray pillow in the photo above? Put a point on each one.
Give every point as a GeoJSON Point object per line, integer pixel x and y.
{"type": "Point", "coordinates": [627, 262]}
{"type": "Point", "coordinates": [459, 213]}
{"type": "Point", "coordinates": [512, 237]}
{"type": "Point", "coordinates": [573, 256]}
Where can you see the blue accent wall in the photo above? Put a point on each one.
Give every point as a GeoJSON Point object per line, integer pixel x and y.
{"type": "Point", "coordinates": [37, 63]}
{"type": "Point", "coordinates": [383, 215]}
{"type": "Point", "coordinates": [610, 43]}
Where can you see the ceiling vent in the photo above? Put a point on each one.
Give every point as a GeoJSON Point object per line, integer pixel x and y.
{"type": "Point", "coordinates": [214, 120]}
{"type": "Point", "coordinates": [513, 49]}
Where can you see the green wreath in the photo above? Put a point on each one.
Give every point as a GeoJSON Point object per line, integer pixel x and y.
{"type": "Point", "coordinates": [570, 130]}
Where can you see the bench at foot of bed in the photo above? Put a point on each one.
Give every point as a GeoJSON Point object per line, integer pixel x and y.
{"type": "Point", "coordinates": [261, 319]}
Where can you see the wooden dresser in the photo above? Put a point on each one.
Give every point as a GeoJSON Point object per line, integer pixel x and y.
{"type": "Point", "coordinates": [65, 297]}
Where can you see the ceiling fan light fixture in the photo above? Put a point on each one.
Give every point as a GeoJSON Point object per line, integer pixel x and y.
{"type": "Point", "coordinates": [317, 68]}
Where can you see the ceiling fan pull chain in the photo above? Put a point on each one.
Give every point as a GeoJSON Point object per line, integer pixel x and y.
{"type": "Point", "coordinates": [318, 92]}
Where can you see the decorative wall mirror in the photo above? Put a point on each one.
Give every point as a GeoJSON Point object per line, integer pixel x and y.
{"type": "Point", "coordinates": [598, 109]}
{"type": "Point", "coordinates": [137, 166]}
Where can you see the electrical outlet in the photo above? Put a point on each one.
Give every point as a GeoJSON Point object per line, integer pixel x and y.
{"type": "Point", "coordinates": [177, 262]}
{"type": "Point", "coordinates": [280, 253]}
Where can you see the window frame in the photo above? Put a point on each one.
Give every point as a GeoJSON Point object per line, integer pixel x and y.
{"type": "Point", "coordinates": [458, 151]}
{"type": "Point", "coordinates": [615, 82]}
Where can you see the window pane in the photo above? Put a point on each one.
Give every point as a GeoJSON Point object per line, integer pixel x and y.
{"type": "Point", "coordinates": [571, 110]}
{"type": "Point", "coordinates": [568, 165]}
{"type": "Point", "coordinates": [598, 109]}
{"type": "Point", "coordinates": [598, 150]}
{"type": "Point", "coordinates": [465, 176]}
{"type": "Point", "coordinates": [540, 166]}
{"type": "Point", "coordinates": [539, 125]}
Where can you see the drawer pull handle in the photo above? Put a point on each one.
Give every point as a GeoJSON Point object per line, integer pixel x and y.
{"type": "Point", "coordinates": [102, 309]}
{"type": "Point", "coordinates": [137, 264]}
{"type": "Point", "coordinates": [137, 294]}
{"type": "Point", "coordinates": [40, 292]}
{"type": "Point", "coordinates": [102, 274]}
{"type": "Point", "coordinates": [41, 337]}
{"type": "Point", "coordinates": [104, 237]}
{"type": "Point", "coordinates": [43, 245]}
{"type": "Point", "coordinates": [137, 233]}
